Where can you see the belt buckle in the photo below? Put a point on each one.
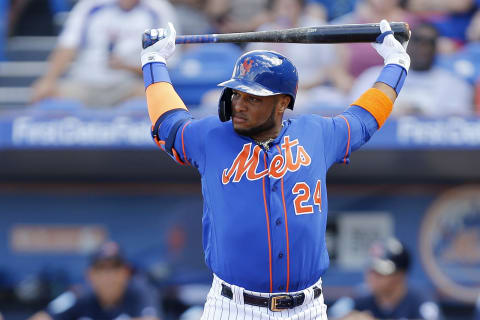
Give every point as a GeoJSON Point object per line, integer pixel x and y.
{"type": "Point", "coordinates": [273, 301]}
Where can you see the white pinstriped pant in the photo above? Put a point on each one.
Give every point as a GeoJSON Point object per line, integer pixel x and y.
{"type": "Point", "coordinates": [220, 307]}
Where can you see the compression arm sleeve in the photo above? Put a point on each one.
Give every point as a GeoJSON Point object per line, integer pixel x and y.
{"type": "Point", "coordinates": [377, 103]}
{"type": "Point", "coordinates": [161, 96]}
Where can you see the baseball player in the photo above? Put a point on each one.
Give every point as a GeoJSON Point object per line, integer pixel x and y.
{"type": "Point", "coordinates": [263, 178]}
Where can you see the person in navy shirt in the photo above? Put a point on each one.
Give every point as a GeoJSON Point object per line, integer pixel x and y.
{"type": "Point", "coordinates": [389, 296]}
{"type": "Point", "coordinates": [113, 293]}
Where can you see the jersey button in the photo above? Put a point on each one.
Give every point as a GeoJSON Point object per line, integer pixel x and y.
{"type": "Point", "coordinates": [278, 222]}
{"type": "Point", "coordinates": [274, 188]}
{"type": "Point", "coordinates": [280, 255]}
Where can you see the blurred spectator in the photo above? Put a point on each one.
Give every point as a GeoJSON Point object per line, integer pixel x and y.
{"type": "Point", "coordinates": [192, 17]}
{"type": "Point", "coordinates": [354, 58]}
{"type": "Point", "coordinates": [113, 294]}
{"type": "Point", "coordinates": [36, 17]}
{"type": "Point", "coordinates": [388, 296]}
{"type": "Point", "coordinates": [473, 29]}
{"type": "Point", "coordinates": [428, 90]}
{"type": "Point", "coordinates": [450, 17]}
{"type": "Point", "coordinates": [330, 10]}
{"type": "Point", "coordinates": [466, 61]}
{"type": "Point", "coordinates": [237, 15]}
{"type": "Point", "coordinates": [313, 62]}
{"type": "Point", "coordinates": [440, 5]}
{"type": "Point", "coordinates": [100, 41]}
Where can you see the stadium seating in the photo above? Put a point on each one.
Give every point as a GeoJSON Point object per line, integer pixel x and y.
{"type": "Point", "coordinates": [25, 61]}
{"type": "Point", "coordinates": [201, 69]}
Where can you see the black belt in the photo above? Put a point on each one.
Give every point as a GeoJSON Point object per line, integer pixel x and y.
{"type": "Point", "coordinates": [277, 302]}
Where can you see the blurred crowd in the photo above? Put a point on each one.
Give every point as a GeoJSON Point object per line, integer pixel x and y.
{"type": "Point", "coordinates": [97, 61]}
{"type": "Point", "coordinates": [96, 57]}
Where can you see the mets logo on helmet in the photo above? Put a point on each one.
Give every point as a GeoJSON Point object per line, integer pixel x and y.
{"type": "Point", "coordinates": [246, 66]}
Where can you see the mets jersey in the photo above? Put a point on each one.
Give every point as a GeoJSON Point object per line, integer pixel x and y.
{"type": "Point", "coordinates": [265, 208]}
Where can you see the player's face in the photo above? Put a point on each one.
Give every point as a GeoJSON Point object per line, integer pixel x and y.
{"type": "Point", "coordinates": [257, 116]}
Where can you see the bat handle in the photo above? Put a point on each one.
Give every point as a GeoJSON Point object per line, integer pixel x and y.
{"type": "Point", "coordinates": [401, 31]}
{"type": "Point", "coordinates": [204, 38]}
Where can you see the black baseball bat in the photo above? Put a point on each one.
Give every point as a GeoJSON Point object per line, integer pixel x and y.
{"type": "Point", "coordinates": [341, 33]}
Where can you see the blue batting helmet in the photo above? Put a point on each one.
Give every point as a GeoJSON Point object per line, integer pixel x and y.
{"type": "Point", "coordinates": [261, 73]}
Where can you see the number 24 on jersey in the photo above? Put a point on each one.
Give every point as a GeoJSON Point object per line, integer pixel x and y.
{"type": "Point", "coordinates": [300, 203]}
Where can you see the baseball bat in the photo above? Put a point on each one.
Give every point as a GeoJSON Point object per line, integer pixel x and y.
{"type": "Point", "coordinates": [341, 33]}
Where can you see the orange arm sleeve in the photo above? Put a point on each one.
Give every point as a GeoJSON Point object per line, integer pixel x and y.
{"type": "Point", "coordinates": [162, 97]}
{"type": "Point", "coordinates": [377, 103]}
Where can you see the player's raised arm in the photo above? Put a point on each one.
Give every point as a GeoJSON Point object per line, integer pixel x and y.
{"type": "Point", "coordinates": [166, 109]}
{"type": "Point", "coordinates": [380, 98]}
{"type": "Point", "coordinates": [368, 113]}
{"type": "Point", "coordinates": [159, 45]}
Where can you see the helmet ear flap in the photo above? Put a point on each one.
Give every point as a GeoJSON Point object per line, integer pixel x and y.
{"type": "Point", "coordinates": [225, 105]}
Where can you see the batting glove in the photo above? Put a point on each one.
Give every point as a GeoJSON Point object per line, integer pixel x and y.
{"type": "Point", "coordinates": [158, 44]}
{"type": "Point", "coordinates": [392, 51]}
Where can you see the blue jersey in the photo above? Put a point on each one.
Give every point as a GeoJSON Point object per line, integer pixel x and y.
{"type": "Point", "coordinates": [265, 208]}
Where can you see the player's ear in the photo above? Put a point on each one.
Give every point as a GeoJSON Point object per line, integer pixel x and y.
{"type": "Point", "coordinates": [283, 102]}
